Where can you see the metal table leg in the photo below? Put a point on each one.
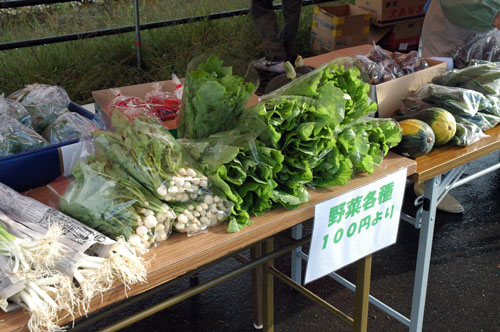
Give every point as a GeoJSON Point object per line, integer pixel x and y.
{"type": "Point", "coordinates": [424, 254]}
{"type": "Point", "coordinates": [296, 267]}
{"type": "Point", "coordinates": [255, 253]}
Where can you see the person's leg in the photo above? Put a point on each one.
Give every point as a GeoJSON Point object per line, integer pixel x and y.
{"type": "Point", "coordinates": [447, 204]}
{"type": "Point", "coordinates": [288, 33]}
{"type": "Point", "coordinates": [265, 23]}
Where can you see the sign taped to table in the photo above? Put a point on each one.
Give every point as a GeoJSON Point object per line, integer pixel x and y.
{"type": "Point", "coordinates": [356, 224]}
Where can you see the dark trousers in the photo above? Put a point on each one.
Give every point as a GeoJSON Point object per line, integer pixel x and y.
{"type": "Point", "coordinates": [282, 45]}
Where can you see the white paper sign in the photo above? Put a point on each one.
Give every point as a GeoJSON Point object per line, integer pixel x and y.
{"type": "Point", "coordinates": [354, 225]}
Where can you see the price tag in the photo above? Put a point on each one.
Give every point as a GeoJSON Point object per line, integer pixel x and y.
{"type": "Point", "coordinates": [356, 224]}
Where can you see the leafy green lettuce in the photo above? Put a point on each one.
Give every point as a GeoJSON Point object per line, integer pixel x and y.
{"type": "Point", "coordinates": [213, 99]}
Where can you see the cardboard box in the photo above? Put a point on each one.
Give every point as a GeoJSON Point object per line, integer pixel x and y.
{"type": "Point", "coordinates": [338, 27]}
{"type": "Point", "coordinates": [389, 93]}
{"type": "Point", "coordinates": [321, 43]}
{"type": "Point", "coordinates": [403, 37]}
{"type": "Point", "coordinates": [343, 20]}
{"type": "Point", "coordinates": [103, 98]}
{"type": "Point", "coordinates": [386, 12]}
{"type": "Point", "coordinates": [30, 169]}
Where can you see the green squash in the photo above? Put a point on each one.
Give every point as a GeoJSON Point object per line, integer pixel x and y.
{"type": "Point", "coordinates": [417, 138]}
{"type": "Point", "coordinates": [442, 122]}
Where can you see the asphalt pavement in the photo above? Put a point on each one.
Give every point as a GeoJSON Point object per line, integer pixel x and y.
{"type": "Point", "coordinates": [463, 288]}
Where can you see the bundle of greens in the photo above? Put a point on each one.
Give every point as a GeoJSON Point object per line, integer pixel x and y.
{"type": "Point", "coordinates": [29, 277]}
{"type": "Point", "coordinates": [323, 84]}
{"type": "Point", "coordinates": [16, 137]}
{"type": "Point", "coordinates": [15, 110]}
{"type": "Point", "coordinates": [213, 97]}
{"type": "Point", "coordinates": [243, 170]}
{"type": "Point", "coordinates": [302, 129]}
{"type": "Point", "coordinates": [458, 101]}
{"type": "Point", "coordinates": [44, 103]}
{"type": "Point", "coordinates": [94, 260]}
{"type": "Point", "coordinates": [484, 78]}
{"type": "Point", "coordinates": [107, 199]}
{"type": "Point", "coordinates": [68, 126]}
{"type": "Point", "coordinates": [148, 153]}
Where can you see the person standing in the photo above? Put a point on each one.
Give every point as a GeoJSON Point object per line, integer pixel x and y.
{"type": "Point", "coordinates": [447, 24]}
{"type": "Point", "coordinates": [279, 46]}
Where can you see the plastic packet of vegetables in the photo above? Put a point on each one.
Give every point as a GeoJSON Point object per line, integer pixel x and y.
{"type": "Point", "coordinates": [215, 93]}
{"type": "Point", "coordinates": [484, 78]}
{"type": "Point", "coordinates": [467, 132]}
{"type": "Point", "coordinates": [458, 101]}
{"type": "Point", "coordinates": [130, 106]}
{"type": "Point", "coordinates": [383, 58]}
{"type": "Point", "coordinates": [165, 104]}
{"type": "Point", "coordinates": [410, 62]}
{"type": "Point", "coordinates": [69, 126]}
{"type": "Point", "coordinates": [106, 198]}
{"type": "Point", "coordinates": [15, 110]}
{"type": "Point", "coordinates": [376, 71]}
{"type": "Point", "coordinates": [44, 103]}
{"type": "Point", "coordinates": [485, 46]}
{"type": "Point", "coordinates": [241, 168]}
{"type": "Point", "coordinates": [119, 260]}
{"type": "Point", "coordinates": [16, 137]}
{"type": "Point", "coordinates": [147, 151]}
{"type": "Point", "coordinates": [340, 79]}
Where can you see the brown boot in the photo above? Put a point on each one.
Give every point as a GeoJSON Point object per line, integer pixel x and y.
{"type": "Point", "coordinates": [448, 203]}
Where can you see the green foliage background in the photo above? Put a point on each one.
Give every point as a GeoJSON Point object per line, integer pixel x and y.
{"type": "Point", "coordinates": [87, 65]}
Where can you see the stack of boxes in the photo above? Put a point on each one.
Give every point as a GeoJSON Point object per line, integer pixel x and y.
{"type": "Point", "coordinates": [338, 27]}
{"type": "Point", "coordinates": [402, 18]}
{"type": "Point", "coordinates": [394, 24]}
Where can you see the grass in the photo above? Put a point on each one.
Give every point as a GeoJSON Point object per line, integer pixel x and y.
{"type": "Point", "coordinates": [83, 66]}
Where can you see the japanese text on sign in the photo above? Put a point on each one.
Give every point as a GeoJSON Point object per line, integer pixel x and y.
{"type": "Point", "coordinates": [353, 225]}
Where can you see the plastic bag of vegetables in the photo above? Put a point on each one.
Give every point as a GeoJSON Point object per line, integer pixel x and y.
{"type": "Point", "coordinates": [44, 103]}
{"type": "Point", "coordinates": [484, 78]}
{"type": "Point", "coordinates": [147, 151]}
{"type": "Point", "coordinates": [69, 126]}
{"type": "Point", "coordinates": [485, 46]}
{"type": "Point", "coordinates": [15, 110]}
{"type": "Point", "coordinates": [106, 198]}
{"type": "Point", "coordinates": [467, 132]}
{"type": "Point", "coordinates": [340, 86]}
{"type": "Point", "coordinates": [215, 93]}
{"type": "Point", "coordinates": [242, 168]}
{"type": "Point", "coordinates": [16, 137]}
{"type": "Point", "coordinates": [458, 101]}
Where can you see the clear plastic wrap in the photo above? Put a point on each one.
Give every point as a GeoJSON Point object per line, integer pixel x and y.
{"type": "Point", "coordinates": [15, 110]}
{"type": "Point", "coordinates": [215, 94]}
{"type": "Point", "coordinates": [44, 103]}
{"type": "Point", "coordinates": [106, 198]}
{"type": "Point", "coordinates": [147, 151]}
{"type": "Point", "coordinates": [241, 168]}
{"type": "Point", "coordinates": [458, 101]}
{"type": "Point", "coordinates": [484, 78]}
{"type": "Point", "coordinates": [16, 137]}
{"type": "Point", "coordinates": [410, 62]}
{"type": "Point", "coordinates": [483, 47]}
{"type": "Point", "coordinates": [374, 70]}
{"type": "Point", "coordinates": [467, 132]}
{"type": "Point", "coordinates": [381, 57]}
{"type": "Point", "coordinates": [165, 104]}
{"type": "Point", "coordinates": [130, 106]}
{"type": "Point", "coordinates": [68, 126]}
